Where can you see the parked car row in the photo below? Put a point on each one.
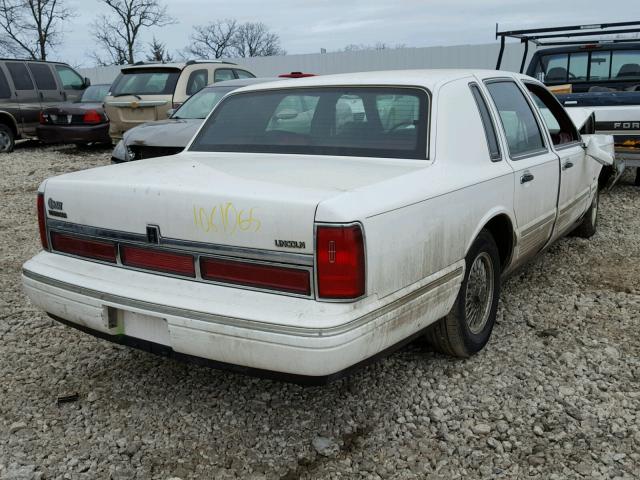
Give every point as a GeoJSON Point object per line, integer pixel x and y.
{"type": "Point", "coordinates": [314, 224]}
{"type": "Point", "coordinates": [51, 102]}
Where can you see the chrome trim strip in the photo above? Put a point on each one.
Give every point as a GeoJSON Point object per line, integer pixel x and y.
{"type": "Point", "coordinates": [244, 323]}
{"type": "Point", "coordinates": [186, 245]}
{"type": "Point", "coordinates": [573, 203]}
{"type": "Point", "coordinates": [541, 223]}
{"type": "Point", "coordinates": [141, 103]}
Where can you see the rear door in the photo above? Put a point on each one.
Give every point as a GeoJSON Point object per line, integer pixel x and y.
{"type": "Point", "coordinates": [536, 168]}
{"type": "Point", "coordinates": [27, 95]}
{"type": "Point", "coordinates": [8, 102]}
{"type": "Point", "coordinates": [49, 92]}
{"type": "Point", "coordinates": [72, 83]}
{"type": "Point", "coordinates": [576, 171]}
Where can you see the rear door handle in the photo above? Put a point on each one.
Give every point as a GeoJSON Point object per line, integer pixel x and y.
{"type": "Point", "coordinates": [567, 165]}
{"type": "Point", "coordinates": [527, 177]}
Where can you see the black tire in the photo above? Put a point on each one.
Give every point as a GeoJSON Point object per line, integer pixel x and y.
{"type": "Point", "coordinates": [589, 223]}
{"type": "Point", "coordinates": [467, 327]}
{"type": "Point", "coordinates": [606, 172]}
{"type": "Point", "coordinates": [7, 139]}
{"type": "Point", "coordinates": [637, 182]}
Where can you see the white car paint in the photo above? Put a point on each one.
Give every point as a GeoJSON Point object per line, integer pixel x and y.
{"type": "Point", "coordinates": [419, 219]}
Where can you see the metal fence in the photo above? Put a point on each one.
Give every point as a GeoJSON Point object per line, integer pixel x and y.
{"type": "Point", "coordinates": [458, 56]}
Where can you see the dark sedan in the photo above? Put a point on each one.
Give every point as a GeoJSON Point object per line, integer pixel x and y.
{"type": "Point", "coordinates": [83, 122]}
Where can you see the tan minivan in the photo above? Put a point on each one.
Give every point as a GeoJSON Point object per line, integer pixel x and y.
{"type": "Point", "coordinates": [145, 92]}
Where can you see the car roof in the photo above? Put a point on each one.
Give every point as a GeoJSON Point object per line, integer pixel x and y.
{"type": "Point", "coordinates": [243, 82]}
{"type": "Point", "coordinates": [172, 65]}
{"type": "Point", "coordinates": [427, 78]}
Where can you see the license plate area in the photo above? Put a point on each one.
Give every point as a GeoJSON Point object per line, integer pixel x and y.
{"type": "Point", "coordinates": [137, 325]}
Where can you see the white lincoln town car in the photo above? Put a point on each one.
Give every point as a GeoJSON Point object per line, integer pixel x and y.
{"type": "Point", "coordinates": [311, 226]}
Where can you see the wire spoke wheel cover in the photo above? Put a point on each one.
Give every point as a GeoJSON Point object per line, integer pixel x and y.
{"type": "Point", "coordinates": [479, 294]}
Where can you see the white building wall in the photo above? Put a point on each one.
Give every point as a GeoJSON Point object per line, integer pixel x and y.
{"type": "Point", "coordinates": [458, 56]}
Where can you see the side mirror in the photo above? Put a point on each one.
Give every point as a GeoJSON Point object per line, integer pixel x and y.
{"type": "Point", "coordinates": [170, 112]}
{"type": "Point", "coordinates": [594, 149]}
{"type": "Point", "coordinates": [87, 82]}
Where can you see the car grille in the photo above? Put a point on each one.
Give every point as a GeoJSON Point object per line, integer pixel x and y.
{"type": "Point", "coordinates": [140, 152]}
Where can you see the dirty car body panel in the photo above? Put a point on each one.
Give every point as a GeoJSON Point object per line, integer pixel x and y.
{"type": "Point", "coordinates": [239, 250]}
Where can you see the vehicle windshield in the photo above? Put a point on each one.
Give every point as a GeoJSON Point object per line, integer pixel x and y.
{"type": "Point", "coordinates": [95, 94]}
{"type": "Point", "coordinates": [352, 121]}
{"type": "Point", "coordinates": [200, 104]}
{"type": "Point", "coordinates": [145, 81]}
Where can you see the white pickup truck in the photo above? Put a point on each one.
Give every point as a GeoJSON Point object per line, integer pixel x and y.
{"type": "Point", "coordinates": [296, 239]}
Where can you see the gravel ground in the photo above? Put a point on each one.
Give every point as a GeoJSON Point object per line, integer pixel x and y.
{"type": "Point", "coordinates": [555, 395]}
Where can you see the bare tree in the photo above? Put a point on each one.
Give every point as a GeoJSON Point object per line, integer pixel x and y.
{"type": "Point", "coordinates": [255, 40]}
{"type": "Point", "coordinates": [158, 52]}
{"type": "Point", "coordinates": [214, 40]}
{"type": "Point", "coordinates": [118, 33]}
{"type": "Point", "coordinates": [30, 26]}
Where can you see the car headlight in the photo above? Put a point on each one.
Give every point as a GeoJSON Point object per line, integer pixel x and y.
{"type": "Point", "coordinates": [122, 152]}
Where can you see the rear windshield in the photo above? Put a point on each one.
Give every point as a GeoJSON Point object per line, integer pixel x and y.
{"type": "Point", "coordinates": [95, 94]}
{"type": "Point", "coordinates": [145, 82]}
{"type": "Point", "coordinates": [200, 104]}
{"type": "Point", "coordinates": [353, 121]}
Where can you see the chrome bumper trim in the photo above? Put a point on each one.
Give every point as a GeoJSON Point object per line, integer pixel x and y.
{"type": "Point", "coordinates": [161, 310]}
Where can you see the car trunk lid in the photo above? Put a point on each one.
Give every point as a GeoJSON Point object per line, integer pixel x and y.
{"type": "Point", "coordinates": [257, 201]}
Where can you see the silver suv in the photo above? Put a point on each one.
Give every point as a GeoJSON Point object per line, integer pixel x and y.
{"type": "Point", "coordinates": [145, 92]}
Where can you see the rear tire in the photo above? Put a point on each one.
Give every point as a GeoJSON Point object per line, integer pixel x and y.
{"type": "Point", "coordinates": [637, 182]}
{"type": "Point", "coordinates": [589, 224]}
{"type": "Point", "coordinates": [467, 327]}
{"type": "Point", "coordinates": [7, 139]}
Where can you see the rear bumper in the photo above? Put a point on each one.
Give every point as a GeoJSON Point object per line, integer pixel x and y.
{"type": "Point", "coordinates": [74, 133]}
{"type": "Point", "coordinates": [252, 332]}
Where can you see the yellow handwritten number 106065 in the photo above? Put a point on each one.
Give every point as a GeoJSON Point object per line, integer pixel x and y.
{"type": "Point", "coordinates": [225, 218]}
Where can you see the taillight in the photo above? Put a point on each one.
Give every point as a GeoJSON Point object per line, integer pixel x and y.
{"type": "Point", "coordinates": [158, 260]}
{"type": "Point", "coordinates": [258, 275]}
{"type": "Point", "coordinates": [44, 118]}
{"type": "Point", "coordinates": [92, 116]}
{"type": "Point", "coordinates": [82, 247]}
{"type": "Point", "coordinates": [42, 222]}
{"type": "Point", "coordinates": [340, 261]}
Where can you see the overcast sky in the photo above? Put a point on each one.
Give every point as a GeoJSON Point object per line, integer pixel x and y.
{"type": "Point", "coordinates": [306, 26]}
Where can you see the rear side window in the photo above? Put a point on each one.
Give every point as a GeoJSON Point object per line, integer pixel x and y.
{"type": "Point", "coordinates": [20, 76]}
{"type": "Point", "coordinates": [43, 76]}
{"type": "Point", "coordinates": [197, 81]}
{"type": "Point", "coordinates": [625, 64]}
{"type": "Point", "coordinates": [5, 91]}
{"type": "Point", "coordinates": [146, 82]}
{"type": "Point", "coordinates": [487, 123]}
{"type": "Point", "coordinates": [244, 74]}
{"type": "Point", "coordinates": [222, 74]}
{"type": "Point", "coordinates": [518, 121]}
{"type": "Point", "coordinates": [70, 79]}
{"type": "Point", "coordinates": [380, 122]}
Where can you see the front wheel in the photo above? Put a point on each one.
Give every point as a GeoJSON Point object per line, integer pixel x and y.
{"type": "Point", "coordinates": [467, 327]}
{"type": "Point", "coordinates": [587, 227]}
{"type": "Point", "coordinates": [7, 139]}
{"type": "Point", "coordinates": [637, 182]}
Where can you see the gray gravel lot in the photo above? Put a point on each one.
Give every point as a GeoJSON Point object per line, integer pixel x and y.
{"type": "Point", "coordinates": [555, 395]}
